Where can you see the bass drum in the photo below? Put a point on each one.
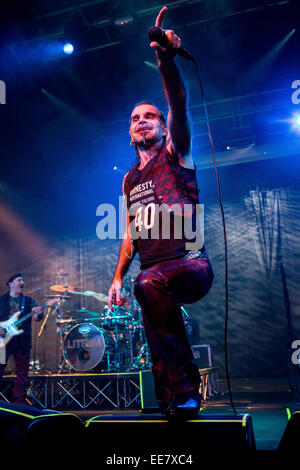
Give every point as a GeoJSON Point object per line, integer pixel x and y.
{"type": "Point", "coordinates": [84, 347]}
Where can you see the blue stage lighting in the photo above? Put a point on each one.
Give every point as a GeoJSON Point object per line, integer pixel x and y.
{"type": "Point", "coordinates": [297, 121]}
{"type": "Point", "coordinates": [68, 48]}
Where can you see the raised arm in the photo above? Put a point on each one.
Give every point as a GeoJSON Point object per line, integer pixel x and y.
{"type": "Point", "coordinates": [179, 137]}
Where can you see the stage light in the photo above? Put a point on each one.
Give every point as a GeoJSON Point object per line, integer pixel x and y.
{"type": "Point", "coordinates": [294, 122]}
{"type": "Point", "coordinates": [151, 65]}
{"type": "Point", "coordinates": [119, 170]}
{"type": "Point", "coordinates": [124, 20]}
{"type": "Point", "coordinates": [68, 48]}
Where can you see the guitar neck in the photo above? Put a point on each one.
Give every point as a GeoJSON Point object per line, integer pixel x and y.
{"type": "Point", "coordinates": [27, 316]}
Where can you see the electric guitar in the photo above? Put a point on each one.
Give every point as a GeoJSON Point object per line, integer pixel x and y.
{"type": "Point", "coordinates": [10, 325]}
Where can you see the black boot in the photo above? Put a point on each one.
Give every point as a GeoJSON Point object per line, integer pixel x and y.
{"type": "Point", "coordinates": [184, 407]}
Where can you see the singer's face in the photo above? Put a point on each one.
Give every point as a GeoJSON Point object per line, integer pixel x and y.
{"type": "Point", "coordinates": [146, 127]}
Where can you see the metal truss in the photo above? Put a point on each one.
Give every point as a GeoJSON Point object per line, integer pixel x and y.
{"type": "Point", "coordinates": [209, 383]}
{"type": "Point", "coordinates": [209, 11]}
{"type": "Point", "coordinates": [115, 391]}
{"type": "Point", "coordinates": [80, 391]}
{"type": "Point", "coordinates": [234, 117]}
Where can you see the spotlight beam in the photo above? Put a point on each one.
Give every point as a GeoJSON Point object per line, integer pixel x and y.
{"type": "Point", "coordinates": [261, 66]}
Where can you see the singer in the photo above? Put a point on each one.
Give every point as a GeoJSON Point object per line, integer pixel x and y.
{"type": "Point", "coordinates": [164, 174]}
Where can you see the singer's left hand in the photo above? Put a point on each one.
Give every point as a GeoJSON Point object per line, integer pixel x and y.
{"type": "Point", "coordinates": [174, 40]}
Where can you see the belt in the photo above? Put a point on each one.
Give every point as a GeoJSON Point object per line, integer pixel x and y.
{"type": "Point", "coordinates": [192, 254]}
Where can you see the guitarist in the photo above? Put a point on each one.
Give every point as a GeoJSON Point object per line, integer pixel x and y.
{"type": "Point", "coordinates": [19, 346]}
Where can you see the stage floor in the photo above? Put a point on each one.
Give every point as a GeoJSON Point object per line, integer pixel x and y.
{"type": "Point", "coordinates": [267, 400]}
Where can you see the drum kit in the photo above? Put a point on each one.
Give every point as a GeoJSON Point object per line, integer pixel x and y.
{"type": "Point", "coordinates": [104, 341]}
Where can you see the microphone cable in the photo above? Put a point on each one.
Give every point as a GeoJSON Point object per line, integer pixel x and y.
{"type": "Point", "coordinates": [157, 34]}
{"type": "Point", "coordinates": [224, 230]}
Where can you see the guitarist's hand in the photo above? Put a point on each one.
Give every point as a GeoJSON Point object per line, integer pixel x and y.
{"type": "Point", "coordinates": [2, 332]}
{"type": "Point", "coordinates": [38, 312]}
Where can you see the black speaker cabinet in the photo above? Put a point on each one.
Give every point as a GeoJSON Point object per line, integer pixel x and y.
{"type": "Point", "coordinates": [290, 438]}
{"type": "Point", "coordinates": [148, 399]}
{"type": "Point", "coordinates": [151, 435]}
{"type": "Point", "coordinates": [21, 426]}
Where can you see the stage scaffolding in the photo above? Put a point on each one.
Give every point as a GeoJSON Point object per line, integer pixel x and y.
{"type": "Point", "coordinates": [105, 391]}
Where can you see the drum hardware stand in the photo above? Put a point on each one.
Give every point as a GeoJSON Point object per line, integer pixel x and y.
{"type": "Point", "coordinates": [35, 366]}
{"type": "Point", "coordinates": [53, 313]}
{"type": "Point", "coordinates": [46, 318]}
{"type": "Point", "coordinates": [120, 362]}
{"type": "Point", "coordinates": [63, 365]}
{"type": "Point", "coordinates": [44, 322]}
{"type": "Point", "coordinates": [108, 361]}
{"type": "Point", "coordinates": [142, 360]}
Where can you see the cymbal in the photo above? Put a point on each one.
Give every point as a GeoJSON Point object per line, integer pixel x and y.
{"type": "Point", "coordinates": [65, 320]}
{"type": "Point", "coordinates": [85, 311]}
{"type": "Point", "coordinates": [53, 296]}
{"type": "Point", "coordinates": [101, 297]}
{"type": "Point", "coordinates": [120, 317]}
{"type": "Point", "coordinates": [93, 319]}
{"type": "Point", "coordinates": [62, 287]}
{"type": "Point", "coordinates": [90, 293]}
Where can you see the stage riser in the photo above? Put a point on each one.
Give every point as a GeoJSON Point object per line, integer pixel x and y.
{"type": "Point", "coordinates": [81, 392]}
{"type": "Point", "coordinates": [98, 391]}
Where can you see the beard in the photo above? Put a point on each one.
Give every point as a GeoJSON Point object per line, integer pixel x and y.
{"type": "Point", "coordinates": [144, 142]}
{"type": "Point", "coordinates": [147, 140]}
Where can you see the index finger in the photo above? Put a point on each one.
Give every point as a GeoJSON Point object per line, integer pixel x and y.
{"type": "Point", "coordinates": [110, 295]}
{"type": "Point", "coordinates": [118, 294]}
{"type": "Point", "coordinates": [160, 17]}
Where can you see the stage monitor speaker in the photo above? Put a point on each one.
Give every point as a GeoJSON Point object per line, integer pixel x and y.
{"type": "Point", "coordinates": [146, 435]}
{"type": "Point", "coordinates": [22, 425]}
{"type": "Point", "coordinates": [290, 438]}
{"type": "Point", "coordinates": [148, 399]}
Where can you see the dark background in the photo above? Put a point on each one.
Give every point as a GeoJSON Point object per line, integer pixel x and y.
{"type": "Point", "coordinates": [65, 126]}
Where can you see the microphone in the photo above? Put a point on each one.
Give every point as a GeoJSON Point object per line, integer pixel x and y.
{"type": "Point", "coordinates": [158, 35]}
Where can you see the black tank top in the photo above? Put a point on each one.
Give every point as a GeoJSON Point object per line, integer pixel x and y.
{"type": "Point", "coordinates": [158, 233]}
